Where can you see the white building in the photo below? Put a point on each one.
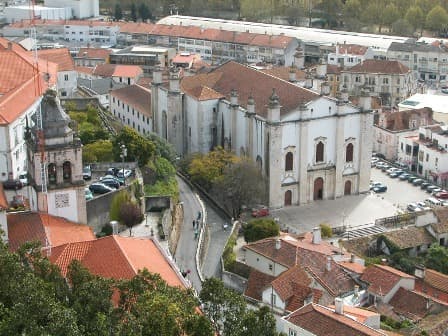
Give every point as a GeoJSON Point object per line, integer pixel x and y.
{"type": "Point", "coordinates": [81, 9]}
{"type": "Point", "coordinates": [19, 13]}
{"type": "Point", "coordinates": [19, 100]}
{"type": "Point", "coordinates": [310, 147]}
{"type": "Point", "coordinates": [132, 106]}
{"type": "Point", "coordinates": [348, 55]}
{"type": "Point", "coordinates": [437, 103]}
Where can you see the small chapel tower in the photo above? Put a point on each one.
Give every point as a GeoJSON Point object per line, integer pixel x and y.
{"type": "Point", "coordinates": [61, 152]}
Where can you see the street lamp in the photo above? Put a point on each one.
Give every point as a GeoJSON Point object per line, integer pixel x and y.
{"type": "Point", "coordinates": [124, 153]}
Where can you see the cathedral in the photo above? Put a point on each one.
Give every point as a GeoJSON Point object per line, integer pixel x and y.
{"type": "Point", "coordinates": [309, 145]}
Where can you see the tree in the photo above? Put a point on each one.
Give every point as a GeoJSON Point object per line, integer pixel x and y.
{"type": "Point", "coordinates": [437, 258]}
{"type": "Point", "coordinates": [402, 27]}
{"type": "Point", "coordinates": [119, 198]}
{"type": "Point", "coordinates": [390, 14]}
{"type": "Point", "coordinates": [133, 12]}
{"type": "Point", "coordinates": [118, 14]}
{"type": "Point", "coordinates": [99, 151]}
{"type": "Point", "coordinates": [163, 148]}
{"type": "Point", "coordinates": [437, 19]}
{"type": "Point", "coordinates": [351, 13]}
{"type": "Point", "coordinates": [130, 215]}
{"type": "Point", "coordinates": [374, 13]}
{"type": "Point", "coordinates": [330, 11]}
{"type": "Point", "coordinates": [415, 17]}
{"type": "Point", "coordinates": [242, 183]}
{"type": "Point", "coordinates": [260, 228]}
{"type": "Point", "coordinates": [144, 12]}
{"type": "Point", "coordinates": [139, 148]}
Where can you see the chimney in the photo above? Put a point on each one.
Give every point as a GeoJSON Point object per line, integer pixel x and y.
{"type": "Point", "coordinates": [274, 107]}
{"type": "Point", "coordinates": [352, 258]}
{"type": "Point", "coordinates": [325, 89]}
{"type": "Point", "coordinates": [317, 237]}
{"type": "Point", "coordinates": [308, 80]}
{"type": "Point", "coordinates": [278, 244]}
{"type": "Point", "coordinates": [356, 291]}
{"type": "Point", "coordinates": [419, 271]}
{"type": "Point", "coordinates": [250, 105]}
{"type": "Point", "coordinates": [292, 74]}
{"type": "Point", "coordinates": [365, 100]}
{"type": "Point", "coordinates": [344, 95]}
{"type": "Point", "coordinates": [174, 80]}
{"type": "Point", "coordinates": [157, 75]}
{"type": "Point", "coordinates": [9, 45]}
{"type": "Point", "coordinates": [321, 69]}
{"type": "Point", "coordinates": [299, 58]}
{"type": "Point", "coordinates": [328, 264]}
{"type": "Point", "coordinates": [339, 306]}
{"type": "Point", "coordinates": [234, 97]}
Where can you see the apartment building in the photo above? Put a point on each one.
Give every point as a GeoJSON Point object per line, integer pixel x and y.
{"type": "Point", "coordinates": [392, 81]}
{"type": "Point", "coordinates": [348, 55]}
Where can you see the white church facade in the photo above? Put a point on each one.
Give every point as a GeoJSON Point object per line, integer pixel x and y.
{"type": "Point", "coordinates": [310, 146]}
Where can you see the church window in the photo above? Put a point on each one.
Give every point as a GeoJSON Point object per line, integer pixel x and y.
{"type": "Point", "coordinates": [52, 173]}
{"type": "Point", "coordinates": [320, 152]}
{"type": "Point", "coordinates": [67, 171]}
{"type": "Point", "coordinates": [349, 153]}
{"type": "Point", "coordinates": [289, 161]}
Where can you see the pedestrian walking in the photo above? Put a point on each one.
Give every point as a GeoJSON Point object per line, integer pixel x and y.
{"type": "Point", "coordinates": [194, 223]}
{"type": "Point", "coordinates": [199, 215]}
{"type": "Point", "coordinates": [196, 232]}
{"type": "Point", "coordinates": [224, 226]}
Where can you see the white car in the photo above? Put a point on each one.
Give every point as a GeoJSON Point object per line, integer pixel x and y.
{"type": "Point", "coordinates": [413, 207]}
{"type": "Point", "coordinates": [124, 173]}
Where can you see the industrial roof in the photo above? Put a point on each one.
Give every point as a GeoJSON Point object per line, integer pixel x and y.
{"type": "Point", "coordinates": [438, 103]}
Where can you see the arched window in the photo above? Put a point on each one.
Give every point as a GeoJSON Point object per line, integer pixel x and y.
{"type": "Point", "coordinates": [67, 171]}
{"type": "Point", "coordinates": [289, 161]}
{"type": "Point", "coordinates": [320, 152]}
{"type": "Point", "coordinates": [349, 153]}
{"type": "Point", "coordinates": [51, 173]}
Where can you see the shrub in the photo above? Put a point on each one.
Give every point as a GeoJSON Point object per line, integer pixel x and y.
{"type": "Point", "coordinates": [107, 229]}
{"type": "Point", "coordinates": [326, 230]}
{"type": "Point", "coordinates": [261, 228]}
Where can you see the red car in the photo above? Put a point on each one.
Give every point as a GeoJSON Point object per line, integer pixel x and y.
{"type": "Point", "coordinates": [261, 212]}
{"type": "Point", "coordinates": [442, 195]}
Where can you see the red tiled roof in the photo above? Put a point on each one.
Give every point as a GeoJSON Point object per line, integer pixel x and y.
{"type": "Point", "coordinates": [49, 230]}
{"type": "Point", "coordinates": [14, 71]}
{"type": "Point", "coordinates": [248, 81]}
{"type": "Point", "coordinates": [6, 44]}
{"type": "Point", "coordinates": [442, 216]}
{"type": "Point", "coordinates": [352, 49]}
{"type": "Point", "coordinates": [436, 279]}
{"type": "Point", "coordinates": [352, 266]}
{"type": "Point", "coordinates": [382, 278]}
{"type": "Point", "coordinates": [322, 321]}
{"type": "Point", "coordinates": [283, 72]}
{"type": "Point", "coordinates": [84, 69]}
{"type": "Point", "coordinates": [118, 258]}
{"type": "Point", "coordinates": [379, 66]}
{"type": "Point", "coordinates": [333, 69]}
{"type": "Point", "coordinates": [117, 70]}
{"type": "Point", "coordinates": [93, 23]}
{"type": "Point", "coordinates": [3, 202]}
{"type": "Point", "coordinates": [256, 283]}
{"type": "Point", "coordinates": [60, 56]}
{"type": "Point", "coordinates": [410, 304]}
{"type": "Point", "coordinates": [136, 96]}
{"type": "Point", "coordinates": [94, 53]}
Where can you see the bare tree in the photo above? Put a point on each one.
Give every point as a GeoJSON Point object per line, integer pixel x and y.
{"type": "Point", "coordinates": [130, 215]}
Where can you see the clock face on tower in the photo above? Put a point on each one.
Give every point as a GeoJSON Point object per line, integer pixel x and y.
{"type": "Point", "coordinates": [61, 200]}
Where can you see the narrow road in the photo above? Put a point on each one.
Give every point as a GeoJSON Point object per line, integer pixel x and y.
{"type": "Point", "coordinates": [185, 255]}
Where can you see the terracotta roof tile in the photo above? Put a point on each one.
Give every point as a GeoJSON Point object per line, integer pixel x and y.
{"type": "Point", "coordinates": [84, 69]}
{"type": "Point", "coordinates": [136, 96]}
{"type": "Point", "coordinates": [248, 81]}
{"type": "Point", "coordinates": [409, 304]}
{"type": "Point", "coordinates": [14, 71]}
{"type": "Point", "coordinates": [379, 66]}
{"type": "Point", "coordinates": [333, 69]}
{"type": "Point", "coordinates": [322, 321]}
{"type": "Point", "coordinates": [117, 70]}
{"type": "Point", "coordinates": [284, 283]}
{"type": "Point", "coordinates": [351, 49]}
{"type": "Point", "coordinates": [93, 23]}
{"type": "Point", "coordinates": [409, 237]}
{"type": "Point", "coordinates": [352, 266]}
{"type": "Point", "coordinates": [382, 279]}
{"type": "Point", "coordinates": [283, 73]}
{"type": "Point", "coordinates": [400, 120]}
{"type": "Point", "coordinates": [100, 53]}
{"type": "Point", "coordinates": [28, 226]}
{"type": "Point", "coordinates": [442, 216]}
{"type": "Point", "coordinates": [118, 258]}
{"type": "Point", "coordinates": [61, 57]}
{"type": "Point", "coordinates": [436, 279]}
{"type": "Point", "coordinates": [256, 283]}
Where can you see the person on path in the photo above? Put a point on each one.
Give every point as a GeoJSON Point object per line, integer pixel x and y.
{"type": "Point", "coordinates": [196, 232]}
{"type": "Point", "coordinates": [194, 223]}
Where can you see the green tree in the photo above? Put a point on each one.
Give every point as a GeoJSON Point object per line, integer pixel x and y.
{"type": "Point", "coordinates": [259, 322]}
{"type": "Point", "coordinates": [437, 19]}
{"type": "Point", "coordinates": [415, 17]}
{"type": "Point", "coordinates": [118, 13]}
{"type": "Point", "coordinates": [374, 13]}
{"type": "Point", "coordinates": [260, 228]}
{"type": "Point", "coordinates": [330, 10]}
{"type": "Point", "coordinates": [133, 12]}
{"type": "Point", "coordinates": [139, 148]}
{"type": "Point", "coordinates": [390, 14]}
{"type": "Point", "coordinates": [242, 183]}
{"type": "Point", "coordinates": [99, 151]}
{"type": "Point", "coordinates": [437, 258]}
{"type": "Point", "coordinates": [402, 27]}
{"type": "Point", "coordinates": [163, 148]}
{"type": "Point", "coordinates": [351, 13]}
{"type": "Point", "coordinates": [144, 12]}
{"type": "Point", "coordinates": [119, 198]}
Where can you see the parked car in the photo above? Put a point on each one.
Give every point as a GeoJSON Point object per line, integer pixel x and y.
{"type": "Point", "coordinates": [12, 185]}
{"type": "Point", "coordinates": [112, 171]}
{"type": "Point", "coordinates": [385, 167]}
{"type": "Point", "coordinates": [432, 202]}
{"type": "Point", "coordinates": [100, 188]}
{"type": "Point", "coordinates": [120, 180]}
{"type": "Point", "coordinates": [436, 191]}
{"type": "Point", "coordinates": [260, 212]}
{"type": "Point", "coordinates": [442, 195]}
{"type": "Point", "coordinates": [404, 176]}
{"type": "Point", "coordinates": [430, 188]}
{"type": "Point", "coordinates": [425, 185]}
{"type": "Point", "coordinates": [380, 188]}
{"type": "Point", "coordinates": [374, 184]}
{"type": "Point", "coordinates": [23, 177]}
{"type": "Point", "coordinates": [124, 173]}
{"type": "Point", "coordinates": [423, 206]}
{"type": "Point", "coordinates": [413, 207]}
{"type": "Point", "coordinates": [412, 178]}
{"type": "Point", "coordinates": [113, 183]}
{"type": "Point", "coordinates": [391, 170]}
{"type": "Point", "coordinates": [88, 194]}
{"type": "Point", "coordinates": [396, 173]}
{"type": "Point", "coordinates": [87, 173]}
{"type": "Point", "coordinates": [417, 182]}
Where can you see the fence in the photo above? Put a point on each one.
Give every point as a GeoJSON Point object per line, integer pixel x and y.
{"type": "Point", "coordinates": [397, 221]}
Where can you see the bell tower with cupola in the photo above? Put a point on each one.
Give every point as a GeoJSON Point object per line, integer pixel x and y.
{"type": "Point", "coordinates": [58, 185]}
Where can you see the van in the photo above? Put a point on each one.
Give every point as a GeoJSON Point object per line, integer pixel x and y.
{"type": "Point", "coordinates": [432, 202]}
